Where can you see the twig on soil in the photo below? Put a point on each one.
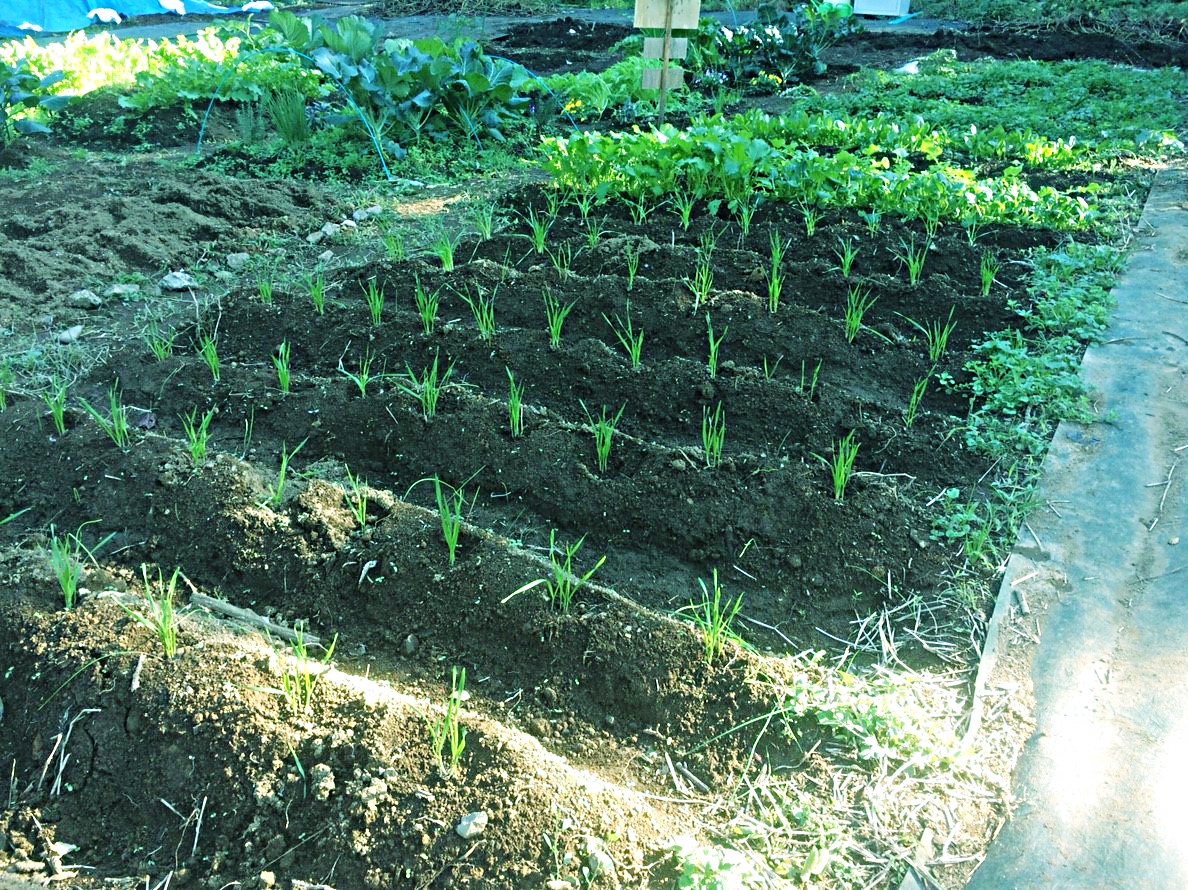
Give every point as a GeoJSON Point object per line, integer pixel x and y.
{"type": "Point", "coordinates": [249, 617]}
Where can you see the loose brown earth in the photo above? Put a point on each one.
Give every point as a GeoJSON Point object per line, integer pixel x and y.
{"type": "Point", "coordinates": [579, 724]}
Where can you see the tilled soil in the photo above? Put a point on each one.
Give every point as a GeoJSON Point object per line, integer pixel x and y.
{"type": "Point", "coordinates": [595, 735]}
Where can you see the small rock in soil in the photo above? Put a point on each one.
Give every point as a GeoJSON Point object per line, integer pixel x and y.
{"type": "Point", "coordinates": [71, 334]}
{"type": "Point", "coordinates": [471, 825]}
{"type": "Point", "coordinates": [237, 260]}
{"type": "Point", "coordinates": [177, 281]}
{"type": "Point", "coordinates": [122, 290]}
{"type": "Point", "coordinates": [86, 299]}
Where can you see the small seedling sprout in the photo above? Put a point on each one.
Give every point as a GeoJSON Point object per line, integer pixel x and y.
{"type": "Point", "coordinates": [66, 558]}
{"type": "Point", "coordinates": [364, 377]}
{"type": "Point", "coordinates": [912, 256]}
{"type": "Point", "coordinates": [714, 616]}
{"type": "Point", "coordinates": [159, 616]}
{"type": "Point", "coordinates": [208, 349]}
{"type": "Point", "coordinates": [316, 285]}
{"type": "Point", "coordinates": [277, 492]}
{"type": "Point", "coordinates": [775, 274]}
{"type": "Point", "coordinates": [631, 340]}
{"type": "Point", "coordinates": [538, 229]}
{"type": "Point", "coordinates": [354, 494]}
{"type": "Point", "coordinates": [563, 583]}
{"type": "Point", "coordinates": [373, 294]}
{"type": "Point", "coordinates": [713, 434]}
{"type": "Point", "coordinates": [55, 400]}
{"type": "Point", "coordinates": [115, 422]}
{"type": "Point", "coordinates": [299, 680]}
{"type": "Point", "coordinates": [714, 343]}
{"type": "Point", "coordinates": [604, 431]}
{"type": "Point", "coordinates": [446, 734]}
{"type": "Point", "coordinates": [631, 257]}
{"type": "Point", "coordinates": [913, 405]}
{"type": "Point", "coordinates": [197, 433]}
{"type": "Point", "coordinates": [858, 303]}
{"type": "Point", "coordinates": [988, 268]}
{"type": "Point", "coordinates": [159, 343]}
{"type": "Point", "coordinates": [555, 314]}
{"type": "Point", "coordinates": [515, 405]}
{"type": "Point", "coordinates": [936, 335]}
{"type": "Point", "coordinates": [426, 388]}
{"type": "Point", "coordinates": [427, 302]}
{"type": "Point", "coordinates": [280, 360]}
{"type": "Point", "coordinates": [846, 252]}
{"type": "Point", "coordinates": [841, 465]}
{"type": "Point", "coordinates": [483, 310]}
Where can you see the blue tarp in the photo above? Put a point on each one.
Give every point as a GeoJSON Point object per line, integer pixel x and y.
{"type": "Point", "coordinates": [21, 17]}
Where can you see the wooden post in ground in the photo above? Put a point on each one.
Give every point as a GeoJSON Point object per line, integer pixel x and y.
{"type": "Point", "coordinates": [668, 17]}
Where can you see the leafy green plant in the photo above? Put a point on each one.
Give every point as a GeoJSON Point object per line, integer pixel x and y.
{"type": "Point", "coordinates": [276, 492]}
{"type": "Point", "coordinates": [299, 678]}
{"type": "Point", "coordinates": [841, 465]}
{"type": "Point", "coordinates": [858, 303]}
{"type": "Point", "coordinates": [374, 296]}
{"type": "Point", "coordinates": [354, 494]}
{"type": "Point", "coordinates": [55, 400]}
{"type": "Point", "coordinates": [426, 388]}
{"type": "Point", "coordinates": [555, 314]}
{"type": "Point", "coordinates": [781, 45]}
{"type": "Point", "coordinates": [281, 361]}
{"type": "Point", "coordinates": [115, 422]}
{"type": "Point", "coordinates": [363, 378]}
{"type": "Point", "coordinates": [197, 433]}
{"type": "Point", "coordinates": [159, 617]}
{"type": "Point", "coordinates": [714, 344]}
{"type": "Point", "coordinates": [208, 351]}
{"type": "Point", "coordinates": [603, 429]}
{"type": "Point", "coordinates": [631, 339]}
{"type": "Point", "coordinates": [714, 616]}
{"type": "Point", "coordinates": [846, 252]}
{"type": "Point", "coordinates": [873, 220]}
{"type": "Point", "coordinates": [515, 405]}
{"type": "Point", "coordinates": [426, 303]}
{"type": "Point", "coordinates": [22, 91]}
{"type": "Point", "coordinates": [264, 290]}
{"type": "Point", "coordinates": [446, 734]}
{"type": "Point", "coordinates": [563, 581]}
{"type": "Point", "coordinates": [912, 256]}
{"type": "Point", "coordinates": [483, 309]}
{"type": "Point", "coordinates": [775, 274]}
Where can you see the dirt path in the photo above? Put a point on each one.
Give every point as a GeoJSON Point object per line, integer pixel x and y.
{"type": "Point", "coordinates": [1102, 783]}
